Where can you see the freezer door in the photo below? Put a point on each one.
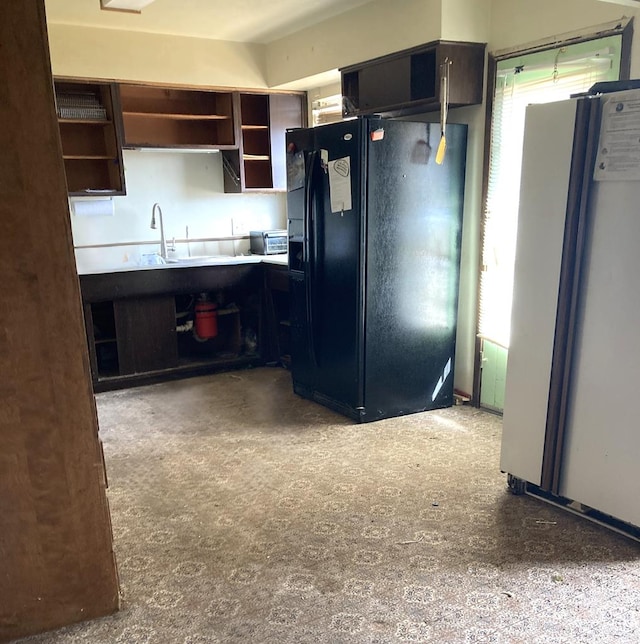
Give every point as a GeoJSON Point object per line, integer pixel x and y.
{"type": "Point", "coordinates": [546, 174]}
{"type": "Point", "coordinates": [300, 159]}
{"type": "Point", "coordinates": [414, 223]}
{"type": "Point", "coordinates": [334, 279]}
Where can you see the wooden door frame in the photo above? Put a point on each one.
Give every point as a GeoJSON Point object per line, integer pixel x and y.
{"type": "Point", "coordinates": [58, 563]}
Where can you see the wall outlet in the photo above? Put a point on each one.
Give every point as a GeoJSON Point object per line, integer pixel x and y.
{"type": "Point", "coordinates": [239, 225]}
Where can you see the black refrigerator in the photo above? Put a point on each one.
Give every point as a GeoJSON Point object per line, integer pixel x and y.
{"type": "Point", "coordinates": [374, 231]}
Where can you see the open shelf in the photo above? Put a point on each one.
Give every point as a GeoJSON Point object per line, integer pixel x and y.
{"type": "Point", "coordinates": [89, 136]}
{"type": "Point", "coordinates": [167, 117]}
{"type": "Point", "coordinates": [255, 110]}
{"type": "Point", "coordinates": [257, 173]}
{"type": "Point", "coordinates": [256, 145]}
{"type": "Point", "coordinates": [86, 176]}
{"type": "Point", "coordinates": [104, 338]}
{"type": "Point", "coordinates": [258, 164]}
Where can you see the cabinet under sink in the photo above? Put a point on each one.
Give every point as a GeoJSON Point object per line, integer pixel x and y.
{"type": "Point", "coordinates": [140, 325]}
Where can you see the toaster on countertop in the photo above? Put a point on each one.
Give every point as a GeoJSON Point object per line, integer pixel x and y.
{"type": "Point", "coordinates": [268, 242]}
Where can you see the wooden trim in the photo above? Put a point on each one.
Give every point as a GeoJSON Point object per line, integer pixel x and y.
{"type": "Point", "coordinates": [89, 331]}
{"type": "Point", "coordinates": [492, 66]}
{"type": "Point", "coordinates": [213, 88]}
{"type": "Point", "coordinates": [57, 551]}
{"type": "Point", "coordinates": [613, 28]}
{"type": "Point", "coordinates": [625, 53]}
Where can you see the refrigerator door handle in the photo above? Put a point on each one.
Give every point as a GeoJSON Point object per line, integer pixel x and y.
{"type": "Point", "coordinates": [309, 254]}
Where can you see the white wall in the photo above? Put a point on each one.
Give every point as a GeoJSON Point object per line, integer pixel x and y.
{"type": "Point", "coordinates": [189, 189]}
{"type": "Point", "coordinates": [377, 28]}
{"type": "Point", "coordinates": [466, 20]}
{"type": "Point", "coordinates": [518, 22]}
{"type": "Point", "coordinates": [124, 55]}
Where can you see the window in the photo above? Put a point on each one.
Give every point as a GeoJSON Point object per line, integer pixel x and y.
{"type": "Point", "coordinates": [539, 77]}
{"type": "Point", "coordinates": [535, 78]}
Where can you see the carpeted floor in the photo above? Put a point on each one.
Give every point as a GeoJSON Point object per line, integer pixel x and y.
{"type": "Point", "coordinates": [242, 513]}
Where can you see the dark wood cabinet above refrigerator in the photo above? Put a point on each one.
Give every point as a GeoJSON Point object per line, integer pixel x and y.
{"type": "Point", "coordinates": [410, 81]}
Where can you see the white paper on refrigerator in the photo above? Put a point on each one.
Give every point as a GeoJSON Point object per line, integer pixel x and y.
{"type": "Point", "coordinates": [618, 157]}
{"type": "Point", "coordinates": [340, 184]}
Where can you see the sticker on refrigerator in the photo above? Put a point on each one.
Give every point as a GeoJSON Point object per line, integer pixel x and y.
{"type": "Point", "coordinates": [340, 184]}
{"type": "Point", "coordinates": [618, 156]}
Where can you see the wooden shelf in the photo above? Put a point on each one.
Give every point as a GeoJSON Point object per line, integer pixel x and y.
{"type": "Point", "coordinates": [101, 122]}
{"type": "Point", "coordinates": [87, 156]}
{"type": "Point", "coordinates": [256, 157]}
{"type": "Point", "coordinates": [178, 117]}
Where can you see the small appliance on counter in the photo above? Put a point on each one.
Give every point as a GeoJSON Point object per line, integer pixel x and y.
{"type": "Point", "coordinates": [268, 242]}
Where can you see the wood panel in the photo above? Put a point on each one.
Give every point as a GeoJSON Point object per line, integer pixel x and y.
{"type": "Point", "coordinates": [103, 287]}
{"type": "Point", "coordinates": [55, 537]}
{"type": "Point", "coordinates": [146, 332]}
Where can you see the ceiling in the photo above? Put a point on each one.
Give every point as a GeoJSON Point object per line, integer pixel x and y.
{"type": "Point", "coordinates": [256, 21]}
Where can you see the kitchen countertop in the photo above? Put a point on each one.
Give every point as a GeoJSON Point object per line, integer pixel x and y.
{"type": "Point", "coordinates": [194, 262]}
{"type": "Point", "coordinates": [198, 275]}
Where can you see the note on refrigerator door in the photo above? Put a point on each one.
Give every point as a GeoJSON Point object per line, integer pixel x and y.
{"type": "Point", "coordinates": [340, 184]}
{"type": "Point", "coordinates": [618, 157]}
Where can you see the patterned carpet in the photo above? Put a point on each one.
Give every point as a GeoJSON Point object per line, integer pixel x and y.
{"type": "Point", "coordinates": [242, 513]}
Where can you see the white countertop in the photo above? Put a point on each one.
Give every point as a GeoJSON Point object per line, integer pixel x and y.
{"type": "Point", "coordinates": [194, 262]}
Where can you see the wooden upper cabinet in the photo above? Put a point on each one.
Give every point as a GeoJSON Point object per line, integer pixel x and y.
{"type": "Point", "coordinates": [410, 81]}
{"type": "Point", "coordinates": [165, 117]}
{"type": "Point", "coordinates": [259, 162]}
{"type": "Point", "coordinates": [98, 119]}
{"type": "Point", "coordinates": [90, 133]}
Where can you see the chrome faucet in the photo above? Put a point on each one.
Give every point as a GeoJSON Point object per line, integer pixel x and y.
{"type": "Point", "coordinates": [163, 241]}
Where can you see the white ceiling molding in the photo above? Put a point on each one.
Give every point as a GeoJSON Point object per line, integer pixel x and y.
{"type": "Point", "coordinates": [129, 6]}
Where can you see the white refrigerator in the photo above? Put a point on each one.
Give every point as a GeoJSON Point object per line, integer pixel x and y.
{"type": "Point", "coordinates": [571, 425]}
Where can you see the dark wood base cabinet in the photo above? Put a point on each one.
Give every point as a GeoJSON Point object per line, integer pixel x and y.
{"type": "Point", "coordinates": [145, 333]}
{"type": "Point", "coordinates": [141, 325]}
{"type": "Point", "coordinates": [277, 313]}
